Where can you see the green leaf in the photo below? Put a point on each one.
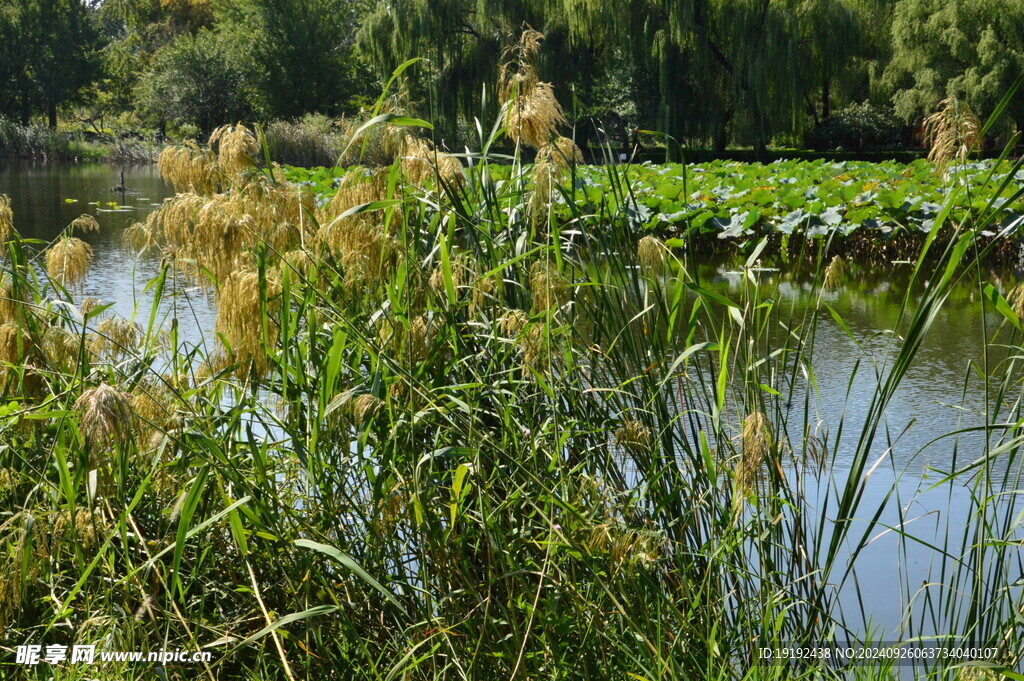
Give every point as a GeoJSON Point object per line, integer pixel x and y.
{"type": "Point", "coordinates": [352, 565]}
{"type": "Point", "coordinates": [1003, 307]}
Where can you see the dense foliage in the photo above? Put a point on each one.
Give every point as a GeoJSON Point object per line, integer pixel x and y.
{"type": "Point", "coordinates": [744, 202]}
{"type": "Point", "coordinates": [441, 434]}
{"type": "Point", "coordinates": [710, 73]}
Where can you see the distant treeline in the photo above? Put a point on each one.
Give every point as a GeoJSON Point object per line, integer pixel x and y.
{"type": "Point", "coordinates": [823, 74]}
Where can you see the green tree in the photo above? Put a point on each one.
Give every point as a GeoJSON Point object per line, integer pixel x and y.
{"type": "Point", "coordinates": [970, 49]}
{"type": "Point", "coordinates": [195, 80]}
{"type": "Point", "coordinates": [50, 54]}
{"type": "Point", "coordinates": [299, 53]}
{"type": "Point", "coordinates": [709, 70]}
{"type": "Point", "coordinates": [135, 31]}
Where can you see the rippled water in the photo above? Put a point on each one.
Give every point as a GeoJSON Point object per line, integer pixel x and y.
{"type": "Point", "coordinates": [47, 197]}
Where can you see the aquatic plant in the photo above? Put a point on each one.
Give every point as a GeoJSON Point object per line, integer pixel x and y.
{"type": "Point", "coordinates": [6, 218]}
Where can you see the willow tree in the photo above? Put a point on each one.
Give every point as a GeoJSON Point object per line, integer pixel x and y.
{"type": "Point", "coordinates": [839, 42]}
{"type": "Point", "coordinates": [968, 49]}
{"type": "Point", "coordinates": [724, 69]}
{"type": "Point", "coordinates": [461, 42]}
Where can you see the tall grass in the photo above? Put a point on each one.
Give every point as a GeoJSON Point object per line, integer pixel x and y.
{"type": "Point", "coordinates": [443, 435]}
{"type": "Point", "coordinates": [44, 143]}
{"type": "Point", "coordinates": [32, 141]}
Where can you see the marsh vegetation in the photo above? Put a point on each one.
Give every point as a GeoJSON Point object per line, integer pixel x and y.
{"type": "Point", "coordinates": [464, 420]}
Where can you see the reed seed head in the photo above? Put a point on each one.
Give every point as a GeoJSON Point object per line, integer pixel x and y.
{"type": "Point", "coordinates": [486, 293]}
{"type": "Point", "coordinates": [88, 528]}
{"type": "Point", "coordinates": [240, 318]}
{"type": "Point", "coordinates": [61, 346]}
{"type": "Point", "coordinates": [835, 272]}
{"type": "Point", "coordinates": [115, 338]}
{"type": "Point", "coordinates": [190, 168]}
{"type": "Point", "coordinates": [89, 304]}
{"type": "Point", "coordinates": [532, 118]}
{"type": "Point", "coordinates": [236, 147]}
{"type": "Point", "coordinates": [364, 407]}
{"type": "Point", "coordinates": [85, 223]}
{"type": "Point", "coordinates": [561, 152]}
{"type": "Point", "coordinates": [154, 407]}
{"type": "Point", "coordinates": [68, 260]}
{"type": "Point", "coordinates": [534, 343]}
{"type": "Point", "coordinates": [757, 442]}
{"type": "Point", "coordinates": [651, 254]}
{"type": "Point", "coordinates": [1015, 298]}
{"type": "Point", "coordinates": [15, 343]}
{"type": "Point", "coordinates": [952, 131]}
{"type": "Point", "coordinates": [512, 322]}
{"type": "Point", "coordinates": [106, 415]}
{"type": "Point", "coordinates": [635, 436]}
{"type": "Point", "coordinates": [11, 302]}
{"type": "Point", "coordinates": [6, 218]}
{"type": "Point", "coordinates": [549, 287]}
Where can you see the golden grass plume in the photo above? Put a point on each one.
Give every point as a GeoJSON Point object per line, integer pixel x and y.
{"type": "Point", "coordinates": [953, 131]}
{"type": "Point", "coordinates": [237, 147]}
{"type": "Point", "coordinates": [106, 415]}
{"type": "Point", "coordinates": [68, 260]}
{"type": "Point", "coordinates": [6, 218]}
{"type": "Point", "coordinates": [756, 438]}
{"type": "Point", "coordinates": [85, 224]}
{"type": "Point", "coordinates": [651, 255]}
{"type": "Point", "coordinates": [835, 273]}
{"type": "Point", "coordinates": [190, 168]}
{"type": "Point", "coordinates": [532, 112]}
{"type": "Point", "coordinates": [241, 318]}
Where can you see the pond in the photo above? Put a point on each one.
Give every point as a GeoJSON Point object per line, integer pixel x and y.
{"type": "Point", "coordinates": [45, 198]}
{"type": "Point", "coordinates": [940, 394]}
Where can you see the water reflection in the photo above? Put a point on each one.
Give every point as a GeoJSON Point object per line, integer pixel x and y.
{"type": "Point", "coordinates": [46, 197]}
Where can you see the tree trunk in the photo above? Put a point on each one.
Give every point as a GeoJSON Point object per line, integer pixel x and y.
{"type": "Point", "coordinates": [51, 115]}
{"type": "Point", "coordinates": [26, 111]}
{"type": "Point", "coordinates": [826, 105]}
{"type": "Point", "coordinates": [721, 137]}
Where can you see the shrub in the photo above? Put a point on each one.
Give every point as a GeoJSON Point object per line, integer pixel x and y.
{"type": "Point", "coordinates": [857, 127]}
{"type": "Point", "coordinates": [32, 141]}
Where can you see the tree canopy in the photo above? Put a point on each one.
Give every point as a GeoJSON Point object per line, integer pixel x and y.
{"type": "Point", "coordinates": [710, 73]}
